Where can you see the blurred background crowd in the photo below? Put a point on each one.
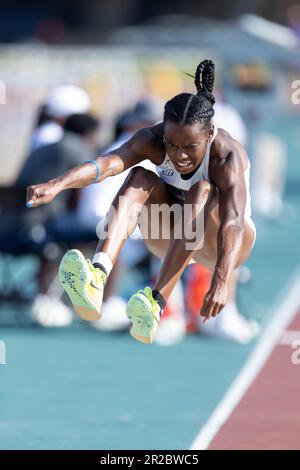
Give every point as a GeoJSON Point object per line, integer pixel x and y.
{"type": "Point", "coordinates": [78, 79]}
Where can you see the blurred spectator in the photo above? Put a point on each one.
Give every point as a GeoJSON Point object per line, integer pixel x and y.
{"type": "Point", "coordinates": [93, 207]}
{"type": "Point", "coordinates": [61, 103]}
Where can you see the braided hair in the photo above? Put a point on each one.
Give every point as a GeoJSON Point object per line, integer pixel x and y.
{"type": "Point", "coordinates": [187, 108]}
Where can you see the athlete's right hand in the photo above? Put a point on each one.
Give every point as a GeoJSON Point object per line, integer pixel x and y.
{"type": "Point", "coordinates": [40, 194]}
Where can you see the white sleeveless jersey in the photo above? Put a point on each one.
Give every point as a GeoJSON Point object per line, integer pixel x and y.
{"type": "Point", "coordinates": [172, 177]}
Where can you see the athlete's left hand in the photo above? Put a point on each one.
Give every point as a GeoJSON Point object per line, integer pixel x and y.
{"type": "Point", "coordinates": [214, 300]}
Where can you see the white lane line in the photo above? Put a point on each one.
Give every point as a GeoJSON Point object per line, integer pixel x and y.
{"type": "Point", "coordinates": [285, 308]}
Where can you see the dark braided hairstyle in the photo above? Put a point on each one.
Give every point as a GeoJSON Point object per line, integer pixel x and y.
{"type": "Point", "coordinates": [187, 108]}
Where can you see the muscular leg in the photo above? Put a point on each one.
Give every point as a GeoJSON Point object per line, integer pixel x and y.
{"type": "Point", "coordinates": [202, 195]}
{"type": "Point", "coordinates": [83, 283]}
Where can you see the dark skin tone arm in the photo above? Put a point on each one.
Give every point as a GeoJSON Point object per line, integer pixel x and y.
{"type": "Point", "coordinates": [227, 175]}
{"type": "Point", "coordinates": [146, 143]}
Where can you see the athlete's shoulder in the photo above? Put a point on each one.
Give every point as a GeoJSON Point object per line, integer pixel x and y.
{"type": "Point", "coordinates": [228, 159]}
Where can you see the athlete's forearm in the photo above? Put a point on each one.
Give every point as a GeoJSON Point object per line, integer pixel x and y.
{"type": "Point", "coordinates": [79, 177]}
{"type": "Point", "coordinates": [230, 236]}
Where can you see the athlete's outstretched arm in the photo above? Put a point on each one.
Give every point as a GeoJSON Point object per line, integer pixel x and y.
{"type": "Point", "coordinates": [230, 181]}
{"type": "Point", "coordinates": [137, 149]}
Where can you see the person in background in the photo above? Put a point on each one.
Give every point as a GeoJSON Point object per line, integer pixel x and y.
{"type": "Point", "coordinates": [60, 104]}
{"type": "Point", "coordinates": [93, 206]}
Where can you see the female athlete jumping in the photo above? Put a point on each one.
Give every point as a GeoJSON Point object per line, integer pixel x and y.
{"type": "Point", "coordinates": [198, 167]}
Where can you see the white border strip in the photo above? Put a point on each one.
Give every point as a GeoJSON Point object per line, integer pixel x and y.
{"type": "Point", "coordinates": [288, 303]}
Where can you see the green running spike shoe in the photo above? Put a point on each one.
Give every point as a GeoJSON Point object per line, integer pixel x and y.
{"type": "Point", "coordinates": [83, 283]}
{"type": "Point", "coordinates": [144, 313]}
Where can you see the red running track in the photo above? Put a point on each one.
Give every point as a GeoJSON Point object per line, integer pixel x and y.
{"type": "Point", "coordinates": [268, 415]}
